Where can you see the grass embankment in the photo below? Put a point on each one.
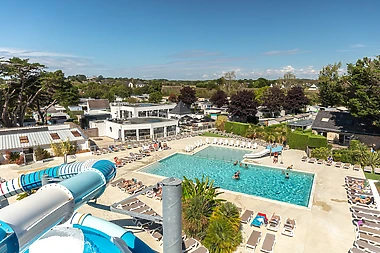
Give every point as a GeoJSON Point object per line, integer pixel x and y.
{"type": "Point", "coordinates": [372, 176]}
{"type": "Point", "coordinates": [208, 134]}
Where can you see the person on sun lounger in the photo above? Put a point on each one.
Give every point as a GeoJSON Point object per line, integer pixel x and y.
{"type": "Point", "coordinates": [290, 167]}
{"type": "Point", "coordinates": [365, 200]}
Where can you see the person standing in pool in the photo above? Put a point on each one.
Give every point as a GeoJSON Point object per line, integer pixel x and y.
{"type": "Point", "coordinates": [287, 175]}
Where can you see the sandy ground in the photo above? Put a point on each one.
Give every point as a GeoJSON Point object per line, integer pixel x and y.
{"type": "Point", "coordinates": [324, 227]}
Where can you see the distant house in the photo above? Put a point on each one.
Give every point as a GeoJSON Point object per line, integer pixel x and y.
{"type": "Point", "coordinates": [138, 84]}
{"type": "Point", "coordinates": [179, 110]}
{"type": "Point", "coordinates": [313, 87]}
{"type": "Point", "coordinates": [341, 127]}
{"type": "Point", "coordinates": [98, 105]}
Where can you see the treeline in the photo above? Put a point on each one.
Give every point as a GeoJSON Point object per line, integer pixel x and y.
{"type": "Point", "coordinates": [27, 87]}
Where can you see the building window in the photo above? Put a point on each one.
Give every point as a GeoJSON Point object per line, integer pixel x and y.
{"type": "Point", "coordinates": [24, 139]}
{"type": "Point", "coordinates": [76, 133]}
{"type": "Point", "coordinates": [55, 136]}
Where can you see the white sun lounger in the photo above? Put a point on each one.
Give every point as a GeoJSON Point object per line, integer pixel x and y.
{"type": "Point", "coordinates": [215, 141]}
{"type": "Point", "coordinates": [365, 245]}
{"type": "Point", "coordinates": [254, 146]}
{"type": "Point", "coordinates": [376, 170]}
{"type": "Point", "coordinates": [368, 231]}
{"type": "Point", "coordinates": [368, 238]}
{"type": "Point", "coordinates": [274, 222]}
{"type": "Point", "coordinates": [220, 142]}
{"type": "Point", "coordinates": [368, 169]}
{"type": "Point", "coordinates": [231, 142]}
{"type": "Point", "coordinates": [249, 145]}
{"type": "Point", "coordinates": [225, 142]}
{"type": "Point", "coordinates": [269, 242]}
{"type": "Point", "coordinates": [242, 145]}
{"type": "Point", "coordinates": [237, 143]}
{"type": "Point", "coordinates": [189, 244]}
{"type": "Point", "coordinates": [253, 240]}
{"type": "Point", "coordinates": [289, 227]}
{"type": "Point", "coordinates": [246, 216]}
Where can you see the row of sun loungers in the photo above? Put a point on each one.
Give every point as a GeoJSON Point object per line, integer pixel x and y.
{"type": "Point", "coordinates": [273, 224]}
{"type": "Point", "coordinates": [367, 219]}
{"type": "Point", "coordinates": [236, 143]}
{"type": "Point", "coordinates": [128, 186]}
{"type": "Point", "coordinates": [341, 165]}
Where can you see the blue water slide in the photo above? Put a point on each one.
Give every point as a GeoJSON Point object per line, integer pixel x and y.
{"type": "Point", "coordinates": [25, 221]}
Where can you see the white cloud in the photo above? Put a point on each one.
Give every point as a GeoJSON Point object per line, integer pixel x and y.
{"type": "Point", "coordinates": [69, 64]}
{"type": "Point", "coordinates": [357, 45]}
{"type": "Point", "coordinates": [286, 52]}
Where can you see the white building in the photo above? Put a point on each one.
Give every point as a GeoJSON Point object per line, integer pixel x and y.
{"type": "Point", "coordinates": [26, 139]}
{"type": "Point", "coordinates": [136, 128]}
{"type": "Point", "coordinates": [126, 110]}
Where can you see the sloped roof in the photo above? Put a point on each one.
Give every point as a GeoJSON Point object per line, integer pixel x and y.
{"type": "Point", "coordinates": [342, 122]}
{"type": "Point", "coordinates": [180, 109]}
{"type": "Point", "coordinates": [97, 104]}
{"type": "Point", "coordinates": [33, 137]}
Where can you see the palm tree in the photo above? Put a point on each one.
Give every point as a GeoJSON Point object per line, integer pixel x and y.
{"type": "Point", "coordinates": [221, 236]}
{"type": "Point", "coordinates": [195, 214]}
{"type": "Point", "coordinates": [204, 187]}
{"type": "Point", "coordinates": [229, 211]}
{"type": "Point", "coordinates": [372, 159]}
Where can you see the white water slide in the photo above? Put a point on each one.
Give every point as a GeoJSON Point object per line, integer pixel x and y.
{"type": "Point", "coordinates": [257, 155]}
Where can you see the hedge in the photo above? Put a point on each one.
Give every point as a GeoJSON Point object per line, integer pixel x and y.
{"type": "Point", "coordinates": [300, 140]}
{"type": "Point", "coordinates": [317, 141]}
{"type": "Point", "coordinates": [236, 128]}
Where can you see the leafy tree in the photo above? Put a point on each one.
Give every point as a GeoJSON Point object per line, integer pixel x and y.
{"type": "Point", "coordinates": [259, 92]}
{"type": "Point", "coordinates": [81, 78]}
{"type": "Point", "coordinates": [187, 95]}
{"type": "Point", "coordinates": [243, 106]}
{"type": "Point", "coordinates": [372, 159]}
{"type": "Point", "coordinates": [203, 187]}
{"type": "Point", "coordinates": [155, 97]}
{"type": "Point", "coordinates": [295, 100]}
{"type": "Point", "coordinates": [260, 83]}
{"type": "Point", "coordinates": [363, 90]}
{"type": "Point", "coordinates": [219, 98]}
{"type": "Point", "coordinates": [220, 122]}
{"type": "Point", "coordinates": [274, 99]}
{"type": "Point", "coordinates": [173, 98]}
{"type": "Point", "coordinates": [41, 153]}
{"type": "Point", "coordinates": [57, 89]}
{"type": "Point", "coordinates": [330, 86]}
{"type": "Point", "coordinates": [21, 89]}
{"type": "Point", "coordinates": [221, 81]}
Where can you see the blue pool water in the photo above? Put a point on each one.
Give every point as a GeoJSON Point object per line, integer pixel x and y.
{"type": "Point", "coordinates": [257, 180]}
{"type": "Point", "coordinates": [223, 153]}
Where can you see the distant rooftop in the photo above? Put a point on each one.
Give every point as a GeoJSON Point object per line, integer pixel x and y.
{"type": "Point", "coordinates": [134, 121]}
{"type": "Point", "coordinates": [136, 105]}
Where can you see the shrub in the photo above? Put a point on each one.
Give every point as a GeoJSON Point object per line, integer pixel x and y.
{"type": "Point", "coordinates": [320, 153]}
{"type": "Point", "coordinates": [298, 140]}
{"type": "Point", "coordinates": [220, 122]}
{"type": "Point", "coordinates": [316, 141]}
{"type": "Point", "coordinates": [236, 128]}
{"type": "Point", "coordinates": [344, 156]}
{"type": "Point", "coordinates": [41, 153]}
{"type": "Point", "coordinates": [64, 147]}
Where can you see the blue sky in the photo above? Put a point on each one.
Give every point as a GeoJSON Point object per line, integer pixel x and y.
{"type": "Point", "coordinates": [191, 40]}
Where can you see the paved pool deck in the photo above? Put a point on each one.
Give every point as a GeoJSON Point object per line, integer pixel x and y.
{"type": "Point", "coordinates": [324, 227]}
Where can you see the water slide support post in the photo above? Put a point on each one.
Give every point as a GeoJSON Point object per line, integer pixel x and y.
{"type": "Point", "coordinates": [172, 214]}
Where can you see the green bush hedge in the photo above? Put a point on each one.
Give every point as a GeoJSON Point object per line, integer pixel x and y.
{"type": "Point", "coordinates": [317, 141]}
{"type": "Point", "coordinates": [236, 128]}
{"type": "Point", "coordinates": [300, 140]}
{"type": "Point", "coordinates": [321, 153]}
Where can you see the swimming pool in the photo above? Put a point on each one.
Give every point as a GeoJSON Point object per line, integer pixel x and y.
{"type": "Point", "coordinates": [257, 180]}
{"type": "Point", "coordinates": [223, 153]}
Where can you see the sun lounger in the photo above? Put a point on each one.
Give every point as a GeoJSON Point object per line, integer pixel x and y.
{"type": "Point", "coordinates": [242, 144]}
{"type": "Point", "coordinates": [249, 145]}
{"type": "Point", "coordinates": [304, 159]}
{"type": "Point", "coordinates": [376, 170]}
{"type": "Point", "coordinates": [338, 164]}
{"type": "Point", "coordinates": [157, 236]}
{"type": "Point", "coordinates": [357, 167]}
{"type": "Point", "coordinates": [142, 209]}
{"type": "Point", "coordinates": [289, 227]}
{"type": "Point", "coordinates": [346, 166]}
{"type": "Point", "coordinates": [253, 240]}
{"type": "Point", "coordinates": [237, 143]}
{"type": "Point", "coordinates": [349, 178]}
{"type": "Point", "coordinates": [225, 143]}
{"type": "Point", "coordinates": [274, 222]}
{"type": "Point", "coordinates": [151, 228]}
{"type": "Point", "coordinates": [246, 216]}
{"type": "Point", "coordinates": [312, 160]}
{"type": "Point", "coordinates": [269, 242]}
{"type": "Point", "coordinates": [365, 245]}
{"type": "Point", "coordinates": [368, 169]}
{"type": "Point", "coordinates": [359, 209]}
{"type": "Point", "coordinates": [231, 142]}
{"type": "Point", "coordinates": [259, 220]}
{"type": "Point", "coordinates": [116, 182]}
{"type": "Point", "coordinates": [368, 238]}
{"type": "Point", "coordinates": [356, 250]}
{"type": "Point", "coordinates": [128, 202]}
{"type": "Point", "coordinates": [320, 161]}
{"type": "Point", "coordinates": [254, 146]}
{"type": "Point", "coordinates": [189, 244]}
{"type": "Point", "coordinates": [368, 230]}
{"type": "Point", "coordinates": [133, 206]}
{"type": "Point", "coordinates": [201, 250]}
{"type": "Point", "coordinates": [215, 141]}
{"type": "Point", "coordinates": [365, 217]}
{"type": "Point", "coordinates": [220, 142]}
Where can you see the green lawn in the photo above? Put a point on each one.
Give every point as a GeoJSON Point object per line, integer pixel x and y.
{"type": "Point", "coordinates": [372, 176]}
{"type": "Point", "coordinates": [208, 134]}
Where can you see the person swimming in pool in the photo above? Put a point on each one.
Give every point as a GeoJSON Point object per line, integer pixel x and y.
{"type": "Point", "coordinates": [236, 175]}
{"type": "Point", "coordinates": [287, 175]}
{"type": "Point", "coordinates": [236, 162]}
{"type": "Point", "coordinates": [246, 166]}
